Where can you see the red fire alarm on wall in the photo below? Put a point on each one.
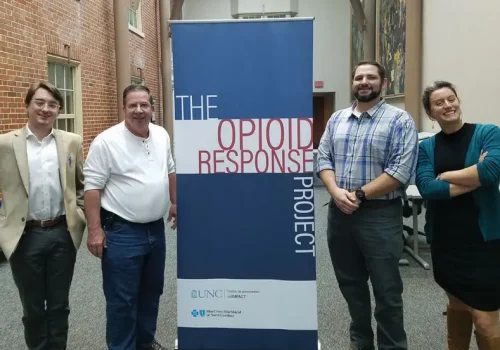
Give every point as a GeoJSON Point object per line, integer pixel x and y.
{"type": "Point", "coordinates": [318, 84]}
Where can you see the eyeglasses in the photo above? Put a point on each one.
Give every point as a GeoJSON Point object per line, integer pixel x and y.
{"type": "Point", "coordinates": [142, 106]}
{"type": "Point", "coordinates": [50, 104]}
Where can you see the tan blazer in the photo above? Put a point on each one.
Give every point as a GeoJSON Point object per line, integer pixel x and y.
{"type": "Point", "coordinates": [14, 183]}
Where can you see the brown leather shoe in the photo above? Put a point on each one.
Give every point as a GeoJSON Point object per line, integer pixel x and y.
{"type": "Point", "coordinates": [459, 324]}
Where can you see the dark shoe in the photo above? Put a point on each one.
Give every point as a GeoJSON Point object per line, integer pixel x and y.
{"type": "Point", "coordinates": [354, 347]}
{"type": "Point", "coordinates": [154, 346]}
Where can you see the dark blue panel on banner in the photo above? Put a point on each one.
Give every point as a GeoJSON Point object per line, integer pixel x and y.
{"type": "Point", "coordinates": [246, 339]}
{"type": "Point", "coordinates": [234, 221]}
{"type": "Point", "coordinates": [257, 70]}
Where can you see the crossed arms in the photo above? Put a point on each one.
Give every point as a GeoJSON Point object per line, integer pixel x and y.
{"type": "Point", "coordinates": [455, 183]}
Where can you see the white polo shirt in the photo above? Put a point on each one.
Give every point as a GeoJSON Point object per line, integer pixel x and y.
{"type": "Point", "coordinates": [132, 172]}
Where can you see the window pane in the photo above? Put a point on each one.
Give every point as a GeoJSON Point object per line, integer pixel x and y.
{"type": "Point", "coordinates": [69, 106]}
{"type": "Point", "coordinates": [52, 73]}
{"type": "Point", "coordinates": [59, 76]}
{"type": "Point", "coordinates": [69, 77]}
{"type": "Point", "coordinates": [132, 18]}
{"type": "Point", "coordinates": [70, 125]}
{"type": "Point", "coordinates": [61, 124]}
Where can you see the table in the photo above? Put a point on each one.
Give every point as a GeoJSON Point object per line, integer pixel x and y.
{"type": "Point", "coordinates": [414, 196]}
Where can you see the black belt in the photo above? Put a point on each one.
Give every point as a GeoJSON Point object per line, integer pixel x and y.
{"type": "Point", "coordinates": [380, 203]}
{"type": "Point", "coordinates": [374, 203]}
{"type": "Point", "coordinates": [108, 217]}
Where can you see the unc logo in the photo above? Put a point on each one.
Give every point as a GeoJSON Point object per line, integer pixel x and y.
{"type": "Point", "coordinates": [207, 293]}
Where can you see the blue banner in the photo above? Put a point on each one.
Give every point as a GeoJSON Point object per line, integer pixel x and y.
{"type": "Point", "coordinates": [244, 156]}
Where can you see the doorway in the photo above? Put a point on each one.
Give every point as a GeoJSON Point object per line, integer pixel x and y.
{"type": "Point", "coordinates": [323, 108]}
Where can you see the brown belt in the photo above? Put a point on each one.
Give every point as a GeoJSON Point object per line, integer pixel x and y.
{"type": "Point", "coordinates": [45, 223]}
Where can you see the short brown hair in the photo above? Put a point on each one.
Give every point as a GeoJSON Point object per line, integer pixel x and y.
{"type": "Point", "coordinates": [380, 68]}
{"type": "Point", "coordinates": [46, 86]}
{"type": "Point", "coordinates": [437, 85]}
{"type": "Point", "coordinates": [136, 87]}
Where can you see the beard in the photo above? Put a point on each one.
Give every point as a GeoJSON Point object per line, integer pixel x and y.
{"type": "Point", "coordinates": [367, 98]}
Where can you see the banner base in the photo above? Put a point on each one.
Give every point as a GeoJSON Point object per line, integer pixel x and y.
{"type": "Point", "coordinates": [176, 346]}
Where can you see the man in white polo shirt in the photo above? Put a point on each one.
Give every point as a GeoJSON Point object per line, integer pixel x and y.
{"type": "Point", "coordinates": [129, 174]}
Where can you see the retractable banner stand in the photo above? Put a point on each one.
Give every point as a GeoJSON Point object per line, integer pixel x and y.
{"type": "Point", "coordinates": [244, 158]}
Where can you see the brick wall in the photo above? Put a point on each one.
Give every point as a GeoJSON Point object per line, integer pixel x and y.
{"type": "Point", "coordinates": [145, 53]}
{"type": "Point", "coordinates": [32, 30]}
{"type": "Point", "coordinates": [22, 47]}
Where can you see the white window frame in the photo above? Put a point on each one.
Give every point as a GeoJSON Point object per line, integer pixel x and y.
{"type": "Point", "coordinates": [77, 116]}
{"type": "Point", "coordinates": [138, 18]}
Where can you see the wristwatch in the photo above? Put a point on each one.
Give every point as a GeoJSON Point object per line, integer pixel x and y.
{"type": "Point", "coordinates": [360, 194]}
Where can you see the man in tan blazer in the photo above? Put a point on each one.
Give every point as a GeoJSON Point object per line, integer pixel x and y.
{"type": "Point", "coordinates": [41, 217]}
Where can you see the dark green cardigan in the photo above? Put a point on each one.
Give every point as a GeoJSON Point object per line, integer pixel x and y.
{"type": "Point", "coordinates": [486, 138]}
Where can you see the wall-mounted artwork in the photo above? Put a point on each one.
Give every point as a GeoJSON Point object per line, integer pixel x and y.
{"type": "Point", "coordinates": [391, 43]}
{"type": "Point", "coordinates": [357, 41]}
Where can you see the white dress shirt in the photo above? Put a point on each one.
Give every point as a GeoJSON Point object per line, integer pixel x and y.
{"type": "Point", "coordinates": [46, 201]}
{"type": "Point", "coordinates": [132, 172]}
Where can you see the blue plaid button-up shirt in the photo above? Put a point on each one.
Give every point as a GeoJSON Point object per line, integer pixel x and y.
{"type": "Point", "coordinates": [361, 147]}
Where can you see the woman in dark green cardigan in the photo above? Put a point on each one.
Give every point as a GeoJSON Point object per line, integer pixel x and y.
{"type": "Point", "coordinates": [458, 173]}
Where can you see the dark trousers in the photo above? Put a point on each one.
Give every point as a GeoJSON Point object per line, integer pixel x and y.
{"type": "Point", "coordinates": [368, 245]}
{"type": "Point", "coordinates": [133, 269]}
{"type": "Point", "coordinates": [42, 266]}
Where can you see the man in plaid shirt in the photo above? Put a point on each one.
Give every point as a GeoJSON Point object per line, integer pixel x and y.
{"type": "Point", "coordinates": [366, 159]}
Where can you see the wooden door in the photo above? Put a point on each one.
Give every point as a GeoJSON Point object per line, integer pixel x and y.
{"type": "Point", "coordinates": [318, 119]}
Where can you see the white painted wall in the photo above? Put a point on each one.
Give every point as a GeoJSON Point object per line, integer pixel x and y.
{"type": "Point", "coordinates": [461, 44]}
{"type": "Point", "coordinates": [331, 45]}
{"type": "Point", "coordinates": [269, 6]}
{"type": "Point", "coordinates": [331, 34]}
{"type": "Point", "coordinates": [206, 9]}
{"type": "Point", "coordinates": [398, 101]}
